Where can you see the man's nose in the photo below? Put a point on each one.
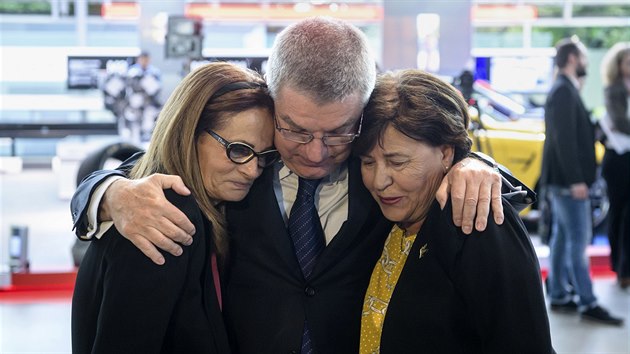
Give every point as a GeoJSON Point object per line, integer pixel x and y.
{"type": "Point", "coordinates": [316, 150]}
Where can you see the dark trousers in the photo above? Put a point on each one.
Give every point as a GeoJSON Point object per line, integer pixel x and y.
{"type": "Point", "coordinates": [616, 172]}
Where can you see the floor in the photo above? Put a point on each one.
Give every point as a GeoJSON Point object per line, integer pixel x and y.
{"type": "Point", "coordinates": [39, 322]}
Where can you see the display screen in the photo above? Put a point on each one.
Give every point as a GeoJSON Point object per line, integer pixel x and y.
{"type": "Point", "coordinates": [88, 72]}
{"type": "Point", "coordinates": [516, 73]}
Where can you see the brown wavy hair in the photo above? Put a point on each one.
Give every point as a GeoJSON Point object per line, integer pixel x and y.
{"type": "Point", "coordinates": [190, 110]}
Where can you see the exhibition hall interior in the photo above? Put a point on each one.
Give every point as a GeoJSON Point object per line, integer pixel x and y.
{"type": "Point", "coordinates": [82, 83]}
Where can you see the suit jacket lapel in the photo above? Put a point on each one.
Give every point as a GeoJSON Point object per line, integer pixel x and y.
{"type": "Point", "coordinates": [264, 202]}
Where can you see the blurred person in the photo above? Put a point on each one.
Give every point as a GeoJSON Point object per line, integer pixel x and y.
{"type": "Point", "coordinates": [434, 289]}
{"type": "Point", "coordinates": [216, 133]}
{"type": "Point", "coordinates": [143, 66]}
{"type": "Point", "coordinates": [142, 95]}
{"type": "Point", "coordinates": [616, 163]}
{"type": "Point", "coordinates": [290, 288]}
{"type": "Point", "coordinates": [568, 170]}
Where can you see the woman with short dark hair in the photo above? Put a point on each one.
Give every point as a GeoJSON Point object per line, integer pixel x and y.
{"type": "Point", "coordinates": [435, 289]}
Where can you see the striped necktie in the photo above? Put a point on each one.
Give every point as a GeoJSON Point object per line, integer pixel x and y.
{"type": "Point", "coordinates": [304, 226]}
{"type": "Point", "coordinates": [308, 238]}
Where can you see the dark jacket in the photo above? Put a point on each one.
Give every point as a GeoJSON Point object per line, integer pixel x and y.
{"type": "Point", "coordinates": [569, 150]}
{"type": "Point", "coordinates": [123, 303]}
{"type": "Point", "coordinates": [478, 293]}
{"type": "Point", "coordinates": [616, 98]}
{"type": "Point", "coordinates": [268, 299]}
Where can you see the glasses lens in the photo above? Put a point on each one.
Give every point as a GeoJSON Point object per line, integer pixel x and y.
{"type": "Point", "coordinates": [240, 153]}
{"type": "Point", "coordinates": [333, 140]}
{"type": "Point", "coordinates": [268, 157]}
{"type": "Point", "coordinates": [297, 137]}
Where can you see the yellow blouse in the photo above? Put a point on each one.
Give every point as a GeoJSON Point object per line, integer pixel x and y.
{"type": "Point", "coordinates": [382, 283]}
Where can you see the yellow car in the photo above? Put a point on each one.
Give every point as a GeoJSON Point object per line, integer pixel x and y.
{"type": "Point", "coordinates": [514, 136]}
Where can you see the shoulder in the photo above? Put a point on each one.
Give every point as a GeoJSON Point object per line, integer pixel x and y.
{"type": "Point", "coordinates": [512, 229]}
{"type": "Point", "coordinates": [563, 87]}
{"type": "Point", "coordinates": [186, 204]}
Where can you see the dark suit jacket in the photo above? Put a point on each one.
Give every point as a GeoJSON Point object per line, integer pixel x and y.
{"type": "Point", "coordinates": [479, 293]}
{"type": "Point", "coordinates": [268, 299]}
{"type": "Point", "coordinates": [569, 150]}
{"type": "Point", "coordinates": [123, 303]}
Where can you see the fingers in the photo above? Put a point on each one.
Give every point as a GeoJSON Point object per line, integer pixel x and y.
{"type": "Point", "coordinates": [147, 238]}
{"type": "Point", "coordinates": [458, 194]}
{"type": "Point", "coordinates": [162, 241]}
{"type": "Point", "coordinates": [471, 200]}
{"type": "Point", "coordinates": [176, 226]}
{"type": "Point", "coordinates": [483, 206]}
{"type": "Point", "coordinates": [475, 188]}
{"type": "Point", "coordinates": [497, 205]}
{"type": "Point", "coordinates": [185, 228]}
{"type": "Point", "coordinates": [148, 249]}
{"type": "Point", "coordinates": [442, 193]}
{"type": "Point", "coordinates": [142, 214]}
{"type": "Point", "coordinates": [579, 191]}
{"type": "Point", "coordinates": [170, 181]}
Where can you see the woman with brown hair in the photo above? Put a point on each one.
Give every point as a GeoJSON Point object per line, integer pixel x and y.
{"type": "Point", "coordinates": [616, 163]}
{"type": "Point", "coordinates": [216, 132]}
{"type": "Point", "coordinates": [436, 289]}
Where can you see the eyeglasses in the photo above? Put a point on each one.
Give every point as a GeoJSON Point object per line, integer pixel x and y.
{"type": "Point", "coordinates": [328, 140]}
{"type": "Point", "coordinates": [241, 153]}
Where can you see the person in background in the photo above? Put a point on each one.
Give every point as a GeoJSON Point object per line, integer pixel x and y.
{"type": "Point", "coordinates": [143, 67]}
{"type": "Point", "coordinates": [143, 99]}
{"type": "Point", "coordinates": [216, 133]}
{"type": "Point", "coordinates": [616, 163]}
{"type": "Point", "coordinates": [435, 289]}
{"type": "Point", "coordinates": [292, 288]}
{"type": "Point", "coordinates": [568, 169]}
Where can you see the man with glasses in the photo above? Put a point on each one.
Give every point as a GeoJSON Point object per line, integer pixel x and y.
{"type": "Point", "coordinates": [289, 292]}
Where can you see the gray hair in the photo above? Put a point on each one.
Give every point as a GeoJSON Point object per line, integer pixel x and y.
{"type": "Point", "coordinates": [325, 58]}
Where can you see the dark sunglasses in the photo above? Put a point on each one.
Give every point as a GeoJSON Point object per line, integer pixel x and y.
{"type": "Point", "coordinates": [241, 153]}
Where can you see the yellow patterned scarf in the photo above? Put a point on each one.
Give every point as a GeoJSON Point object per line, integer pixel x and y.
{"type": "Point", "coordinates": [382, 283]}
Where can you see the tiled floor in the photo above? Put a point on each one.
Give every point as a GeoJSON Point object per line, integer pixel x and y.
{"type": "Point", "coordinates": [41, 324]}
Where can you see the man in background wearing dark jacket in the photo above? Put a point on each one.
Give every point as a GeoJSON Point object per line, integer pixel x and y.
{"type": "Point", "coordinates": [569, 169]}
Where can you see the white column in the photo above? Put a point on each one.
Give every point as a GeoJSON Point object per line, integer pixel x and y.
{"type": "Point", "coordinates": [80, 16]}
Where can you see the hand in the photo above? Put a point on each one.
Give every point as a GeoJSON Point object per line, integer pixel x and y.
{"type": "Point", "coordinates": [474, 188]}
{"type": "Point", "coordinates": [144, 216]}
{"type": "Point", "coordinates": [579, 191]}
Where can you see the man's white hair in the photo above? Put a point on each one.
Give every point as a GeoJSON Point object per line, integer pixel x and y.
{"type": "Point", "coordinates": [327, 59]}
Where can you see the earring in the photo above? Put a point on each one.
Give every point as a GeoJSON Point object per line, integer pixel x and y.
{"type": "Point", "coordinates": [445, 169]}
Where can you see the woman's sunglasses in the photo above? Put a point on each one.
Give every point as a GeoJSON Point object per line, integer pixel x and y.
{"type": "Point", "coordinates": [241, 153]}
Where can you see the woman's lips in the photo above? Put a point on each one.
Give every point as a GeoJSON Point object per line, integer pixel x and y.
{"type": "Point", "coordinates": [389, 200]}
{"type": "Point", "coordinates": [240, 185]}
